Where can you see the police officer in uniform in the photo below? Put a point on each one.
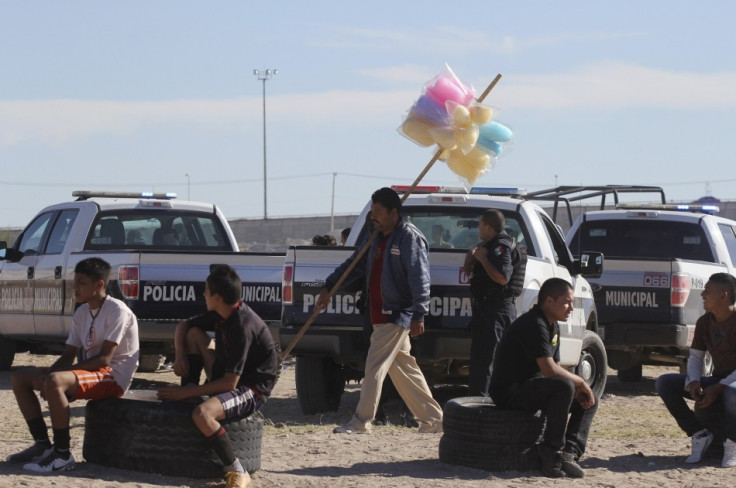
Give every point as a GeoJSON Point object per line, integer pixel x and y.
{"type": "Point", "coordinates": [493, 287]}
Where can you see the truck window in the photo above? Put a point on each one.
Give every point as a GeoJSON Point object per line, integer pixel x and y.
{"type": "Point", "coordinates": [639, 238]}
{"type": "Point", "coordinates": [729, 235]}
{"type": "Point", "coordinates": [457, 228]}
{"type": "Point", "coordinates": [60, 231]}
{"type": "Point", "coordinates": [167, 230]}
{"type": "Point", "coordinates": [32, 238]}
{"type": "Point", "coordinates": [559, 248]}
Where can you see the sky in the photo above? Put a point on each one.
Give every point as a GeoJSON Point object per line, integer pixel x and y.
{"type": "Point", "coordinates": [161, 96]}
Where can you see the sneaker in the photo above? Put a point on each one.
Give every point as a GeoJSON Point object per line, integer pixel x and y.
{"type": "Point", "coordinates": [236, 479]}
{"type": "Point", "coordinates": [551, 462]}
{"type": "Point", "coordinates": [701, 440]}
{"type": "Point", "coordinates": [348, 429]}
{"type": "Point", "coordinates": [51, 463]}
{"type": "Point", "coordinates": [729, 454]}
{"type": "Point", "coordinates": [37, 451]}
{"type": "Point", "coordinates": [430, 428]}
{"type": "Point", "coordinates": [570, 465]}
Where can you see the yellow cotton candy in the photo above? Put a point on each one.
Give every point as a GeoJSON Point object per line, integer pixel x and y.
{"type": "Point", "coordinates": [467, 138]}
{"type": "Point", "coordinates": [417, 131]}
{"type": "Point", "coordinates": [461, 117]}
{"type": "Point", "coordinates": [480, 114]}
{"type": "Point", "coordinates": [478, 159]}
{"type": "Point", "coordinates": [444, 137]}
{"type": "Point", "coordinates": [461, 167]}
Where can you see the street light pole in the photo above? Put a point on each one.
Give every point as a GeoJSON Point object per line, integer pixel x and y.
{"type": "Point", "coordinates": [264, 75]}
{"type": "Point", "coordinates": [189, 187]}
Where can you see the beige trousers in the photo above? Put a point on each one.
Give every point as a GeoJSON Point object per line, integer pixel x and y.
{"type": "Point", "coordinates": [389, 354]}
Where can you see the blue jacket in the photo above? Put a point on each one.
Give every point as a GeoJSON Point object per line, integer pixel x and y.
{"type": "Point", "coordinates": [405, 277]}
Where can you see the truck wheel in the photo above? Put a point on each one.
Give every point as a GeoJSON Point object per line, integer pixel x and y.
{"type": "Point", "coordinates": [490, 455]}
{"type": "Point", "coordinates": [160, 437]}
{"type": "Point", "coordinates": [632, 374]}
{"type": "Point", "coordinates": [319, 384]}
{"type": "Point", "coordinates": [478, 419]}
{"type": "Point", "coordinates": [593, 365]}
{"type": "Point", "coordinates": [7, 353]}
{"type": "Point", "coordinates": [149, 363]}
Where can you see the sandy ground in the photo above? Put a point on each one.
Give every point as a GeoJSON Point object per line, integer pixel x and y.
{"type": "Point", "coordinates": [634, 443]}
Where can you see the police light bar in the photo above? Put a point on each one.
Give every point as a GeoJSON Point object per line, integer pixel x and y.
{"type": "Point", "coordinates": [428, 189]}
{"type": "Point", "coordinates": [677, 207]}
{"type": "Point", "coordinates": [84, 194]}
{"type": "Point", "coordinates": [483, 190]}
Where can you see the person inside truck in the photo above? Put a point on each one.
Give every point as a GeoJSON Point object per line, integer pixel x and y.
{"type": "Point", "coordinates": [104, 340]}
{"type": "Point", "coordinates": [527, 376]}
{"type": "Point", "coordinates": [241, 366]}
{"type": "Point", "coordinates": [438, 238]}
{"type": "Point", "coordinates": [396, 274]}
{"type": "Point", "coordinates": [494, 285]}
{"type": "Point", "coordinates": [715, 333]}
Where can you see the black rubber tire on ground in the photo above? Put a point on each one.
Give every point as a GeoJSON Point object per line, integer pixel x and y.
{"type": "Point", "coordinates": [160, 437]}
{"type": "Point", "coordinates": [491, 456]}
{"type": "Point", "coordinates": [477, 419]}
{"type": "Point", "coordinates": [7, 353]}
{"type": "Point", "coordinates": [593, 364]}
{"type": "Point", "coordinates": [320, 384]}
{"type": "Point", "coordinates": [632, 374]}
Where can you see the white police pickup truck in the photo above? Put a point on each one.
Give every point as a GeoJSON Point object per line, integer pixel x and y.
{"type": "Point", "coordinates": [658, 259]}
{"type": "Point", "coordinates": [160, 250]}
{"type": "Point", "coordinates": [332, 350]}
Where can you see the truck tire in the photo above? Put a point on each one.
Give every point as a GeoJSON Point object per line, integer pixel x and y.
{"type": "Point", "coordinates": [489, 455]}
{"type": "Point", "coordinates": [632, 374]}
{"type": "Point", "coordinates": [160, 437]}
{"type": "Point", "coordinates": [477, 419]}
{"type": "Point", "coordinates": [149, 363]}
{"type": "Point", "coordinates": [593, 365]}
{"type": "Point", "coordinates": [319, 384]}
{"type": "Point", "coordinates": [7, 353]}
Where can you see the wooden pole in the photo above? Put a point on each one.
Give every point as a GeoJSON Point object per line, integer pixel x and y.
{"type": "Point", "coordinates": [368, 243]}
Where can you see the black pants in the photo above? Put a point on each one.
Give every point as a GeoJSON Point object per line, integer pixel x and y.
{"type": "Point", "coordinates": [554, 397]}
{"type": "Point", "coordinates": [489, 321]}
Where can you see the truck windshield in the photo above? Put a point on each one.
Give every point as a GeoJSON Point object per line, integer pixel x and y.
{"type": "Point", "coordinates": [457, 228]}
{"type": "Point", "coordinates": [643, 239]}
{"type": "Point", "coordinates": [157, 230]}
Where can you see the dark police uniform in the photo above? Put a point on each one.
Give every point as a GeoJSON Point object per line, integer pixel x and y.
{"type": "Point", "coordinates": [517, 382]}
{"type": "Point", "coordinates": [493, 310]}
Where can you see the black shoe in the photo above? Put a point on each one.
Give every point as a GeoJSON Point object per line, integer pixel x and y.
{"type": "Point", "coordinates": [551, 462]}
{"type": "Point", "coordinates": [570, 465]}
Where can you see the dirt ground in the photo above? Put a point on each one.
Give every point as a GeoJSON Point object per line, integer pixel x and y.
{"type": "Point", "coordinates": [634, 442]}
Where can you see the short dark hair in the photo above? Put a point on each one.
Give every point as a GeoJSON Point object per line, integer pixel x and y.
{"type": "Point", "coordinates": [345, 232]}
{"type": "Point", "coordinates": [96, 268]}
{"type": "Point", "coordinates": [728, 282]}
{"type": "Point", "coordinates": [387, 198]}
{"type": "Point", "coordinates": [224, 281]}
{"type": "Point", "coordinates": [553, 288]}
{"type": "Point", "coordinates": [494, 218]}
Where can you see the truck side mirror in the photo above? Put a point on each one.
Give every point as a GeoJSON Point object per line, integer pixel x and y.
{"type": "Point", "coordinates": [9, 254]}
{"type": "Point", "coordinates": [590, 264]}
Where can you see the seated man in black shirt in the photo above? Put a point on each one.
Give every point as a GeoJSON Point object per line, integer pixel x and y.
{"type": "Point", "coordinates": [241, 367]}
{"type": "Point", "coordinates": [527, 376]}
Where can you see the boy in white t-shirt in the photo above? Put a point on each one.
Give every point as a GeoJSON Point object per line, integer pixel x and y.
{"type": "Point", "coordinates": [104, 336]}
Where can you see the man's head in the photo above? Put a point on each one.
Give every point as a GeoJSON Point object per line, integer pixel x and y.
{"type": "Point", "coordinates": [555, 299]}
{"type": "Point", "coordinates": [344, 235]}
{"type": "Point", "coordinates": [490, 223]}
{"type": "Point", "coordinates": [719, 292]}
{"type": "Point", "coordinates": [223, 284]}
{"type": "Point", "coordinates": [385, 210]}
{"type": "Point", "coordinates": [438, 233]}
{"type": "Point", "coordinates": [90, 279]}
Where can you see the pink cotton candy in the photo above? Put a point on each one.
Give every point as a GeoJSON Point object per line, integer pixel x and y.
{"type": "Point", "coordinates": [448, 89]}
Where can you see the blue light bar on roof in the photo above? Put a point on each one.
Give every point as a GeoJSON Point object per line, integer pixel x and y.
{"type": "Point", "coordinates": [483, 190]}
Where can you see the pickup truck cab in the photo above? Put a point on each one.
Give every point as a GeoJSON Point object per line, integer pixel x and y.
{"type": "Point", "coordinates": [333, 348]}
{"type": "Point", "coordinates": [658, 259]}
{"type": "Point", "coordinates": [160, 251]}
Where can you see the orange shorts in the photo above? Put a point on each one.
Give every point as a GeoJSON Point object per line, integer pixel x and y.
{"type": "Point", "coordinates": [96, 385]}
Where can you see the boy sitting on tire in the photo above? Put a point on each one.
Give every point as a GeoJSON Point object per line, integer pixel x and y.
{"type": "Point", "coordinates": [241, 366]}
